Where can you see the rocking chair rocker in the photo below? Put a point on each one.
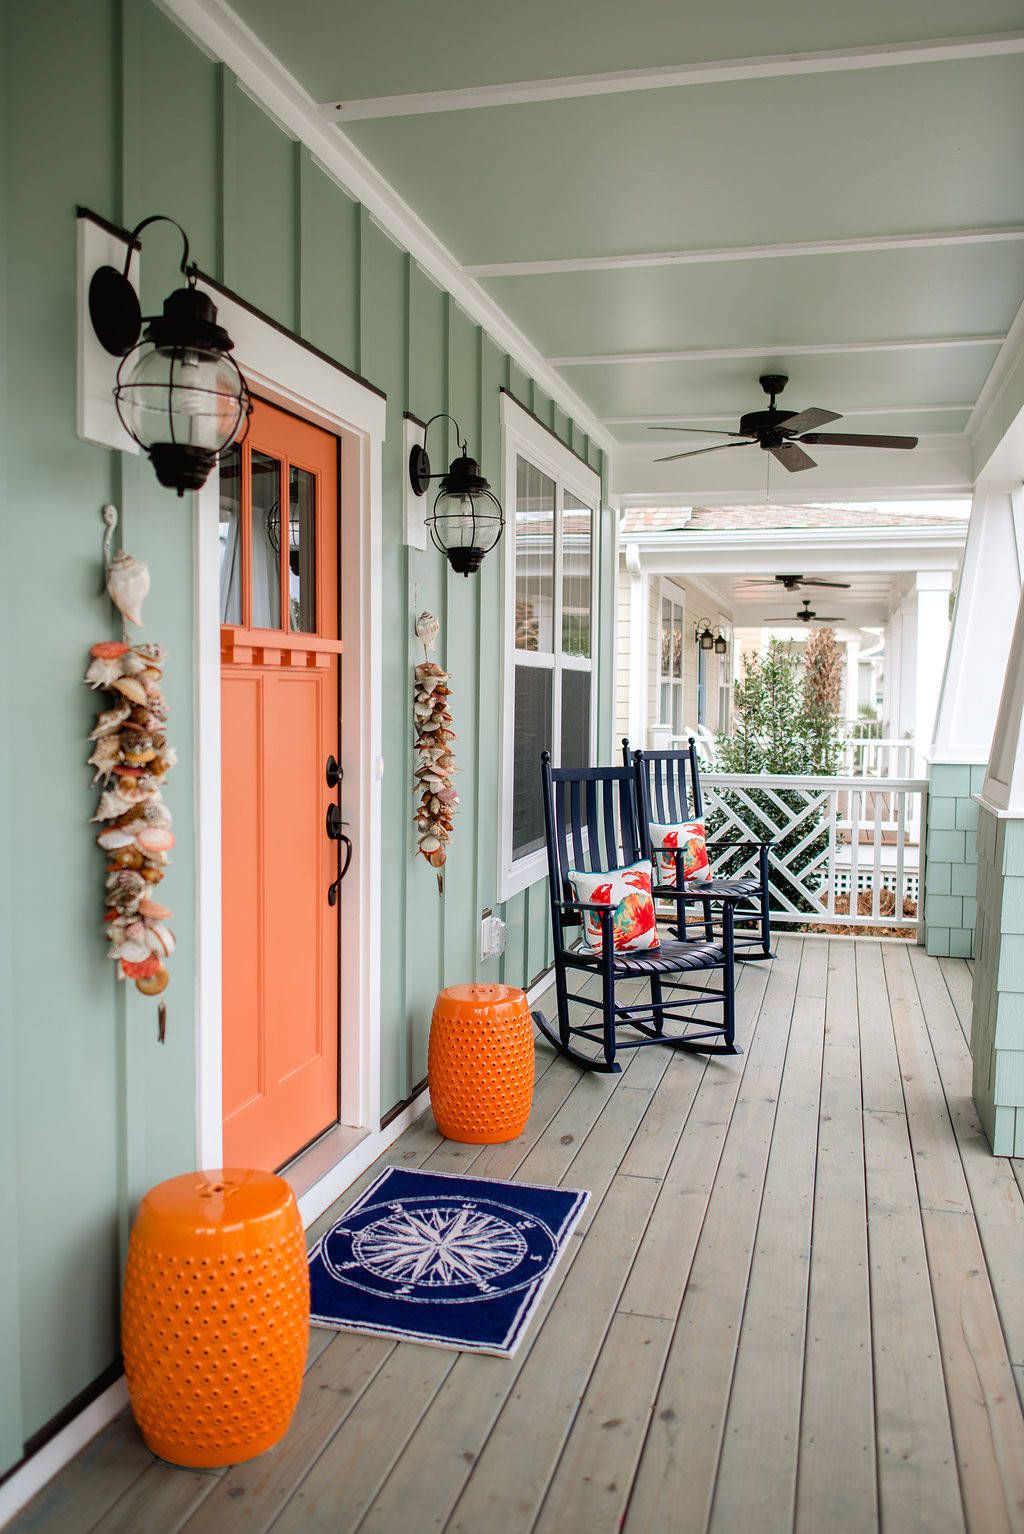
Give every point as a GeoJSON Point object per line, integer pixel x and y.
{"type": "Point", "coordinates": [668, 791]}
{"type": "Point", "coordinates": [592, 825]}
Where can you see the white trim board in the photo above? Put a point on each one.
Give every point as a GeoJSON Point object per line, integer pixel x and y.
{"type": "Point", "coordinates": [773, 349]}
{"type": "Point", "coordinates": [223, 36]}
{"type": "Point", "coordinates": [672, 76]}
{"type": "Point", "coordinates": [696, 255]}
{"type": "Point", "coordinates": [521, 432]}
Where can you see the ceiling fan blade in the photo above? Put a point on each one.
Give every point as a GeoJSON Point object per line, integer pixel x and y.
{"type": "Point", "coordinates": [696, 451]}
{"type": "Point", "coordinates": [702, 431]}
{"type": "Point", "coordinates": [857, 439]}
{"type": "Point", "coordinates": [806, 420]}
{"type": "Point", "coordinates": [839, 585]}
{"type": "Point", "coordinates": [792, 457]}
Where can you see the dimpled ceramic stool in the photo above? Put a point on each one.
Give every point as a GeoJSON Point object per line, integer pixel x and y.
{"type": "Point", "coordinates": [480, 1063]}
{"type": "Point", "coordinates": [215, 1316]}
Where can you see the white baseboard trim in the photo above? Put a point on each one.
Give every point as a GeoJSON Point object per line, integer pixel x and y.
{"type": "Point", "coordinates": [33, 1475]}
{"type": "Point", "coordinates": [48, 1461]}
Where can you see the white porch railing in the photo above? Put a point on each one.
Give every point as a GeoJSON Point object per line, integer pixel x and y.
{"type": "Point", "coordinates": [847, 853]}
{"type": "Point", "coordinates": [885, 758]}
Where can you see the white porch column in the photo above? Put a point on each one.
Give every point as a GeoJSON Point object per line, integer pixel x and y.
{"type": "Point", "coordinates": [852, 705]}
{"type": "Point", "coordinates": [639, 597]}
{"type": "Point", "coordinates": [931, 641]}
{"type": "Point", "coordinates": [986, 605]}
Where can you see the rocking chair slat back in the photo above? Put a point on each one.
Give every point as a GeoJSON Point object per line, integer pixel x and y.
{"type": "Point", "coordinates": [672, 783]}
{"type": "Point", "coordinates": [590, 817]}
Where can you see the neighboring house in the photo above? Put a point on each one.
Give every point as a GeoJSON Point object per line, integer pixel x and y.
{"type": "Point", "coordinates": [893, 570]}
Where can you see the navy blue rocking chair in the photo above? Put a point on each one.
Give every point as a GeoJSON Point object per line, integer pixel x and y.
{"type": "Point", "coordinates": [592, 824]}
{"type": "Point", "coordinates": [668, 791]}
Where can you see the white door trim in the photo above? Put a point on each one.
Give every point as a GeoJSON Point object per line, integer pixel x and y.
{"type": "Point", "coordinates": [280, 369]}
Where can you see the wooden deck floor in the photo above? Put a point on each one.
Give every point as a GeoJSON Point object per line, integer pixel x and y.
{"type": "Point", "coordinates": [797, 1300]}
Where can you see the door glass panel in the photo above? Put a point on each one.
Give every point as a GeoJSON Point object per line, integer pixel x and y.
{"type": "Point", "coordinates": [302, 551]}
{"type": "Point", "coordinates": [229, 533]}
{"type": "Point", "coordinates": [535, 559]}
{"type": "Point", "coordinates": [677, 642]}
{"type": "Point", "coordinates": [576, 576]}
{"type": "Point", "coordinates": [533, 697]}
{"type": "Point", "coordinates": [266, 542]}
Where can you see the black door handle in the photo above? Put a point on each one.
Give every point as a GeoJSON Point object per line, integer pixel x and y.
{"type": "Point", "coordinates": [335, 823]}
{"type": "Point", "coordinates": [332, 889]}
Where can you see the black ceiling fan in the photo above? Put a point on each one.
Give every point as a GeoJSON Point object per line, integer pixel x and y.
{"type": "Point", "coordinates": [807, 615]}
{"type": "Point", "coordinates": [782, 432]}
{"type": "Point", "coordinates": [793, 582]}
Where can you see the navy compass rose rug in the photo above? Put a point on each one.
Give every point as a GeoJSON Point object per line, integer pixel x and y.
{"type": "Point", "coordinates": [459, 1262]}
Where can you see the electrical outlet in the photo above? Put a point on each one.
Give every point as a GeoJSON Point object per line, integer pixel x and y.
{"type": "Point", "coordinates": [492, 936]}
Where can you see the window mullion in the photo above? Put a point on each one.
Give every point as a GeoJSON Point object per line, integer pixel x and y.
{"type": "Point", "coordinates": [556, 637]}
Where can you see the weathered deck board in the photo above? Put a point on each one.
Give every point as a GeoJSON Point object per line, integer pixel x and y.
{"type": "Point", "coordinates": [836, 1481]}
{"type": "Point", "coordinates": [756, 1484]}
{"type": "Point", "coordinates": [795, 1301]}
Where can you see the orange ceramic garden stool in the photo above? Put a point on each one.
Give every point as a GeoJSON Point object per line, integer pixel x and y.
{"type": "Point", "coordinates": [215, 1318]}
{"type": "Point", "coordinates": [480, 1063]}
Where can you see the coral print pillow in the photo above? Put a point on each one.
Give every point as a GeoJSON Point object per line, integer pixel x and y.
{"type": "Point", "coordinates": [689, 835]}
{"type": "Point", "coordinates": [628, 890]}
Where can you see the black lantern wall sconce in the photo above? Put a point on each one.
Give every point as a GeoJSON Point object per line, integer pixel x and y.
{"type": "Point", "coordinates": [466, 520]}
{"type": "Point", "coordinates": [710, 639]}
{"type": "Point", "coordinates": [179, 392]}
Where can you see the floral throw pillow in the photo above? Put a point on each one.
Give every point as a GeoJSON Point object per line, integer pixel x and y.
{"type": "Point", "coordinates": [689, 835]}
{"type": "Point", "coordinates": [628, 892]}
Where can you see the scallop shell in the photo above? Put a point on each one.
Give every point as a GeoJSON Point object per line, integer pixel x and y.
{"type": "Point", "coordinates": [155, 839]}
{"type": "Point", "coordinates": [108, 649]}
{"type": "Point", "coordinates": [127, 585]}
{"type": "Point", "coordinates": [113, 838]}
{"type": "Point", "coordinates": [154, 910]}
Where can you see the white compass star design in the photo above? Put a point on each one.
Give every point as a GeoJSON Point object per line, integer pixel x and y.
{"type": "Point", "coordinates": [440, 1246]}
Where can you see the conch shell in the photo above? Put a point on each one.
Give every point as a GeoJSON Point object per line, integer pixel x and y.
{"type": "Point", "coordinates": [111, 719]}
{"type": "Point", "coordinates": [103, 671]}
{"type": "Point", "coordinates": [127, 585]}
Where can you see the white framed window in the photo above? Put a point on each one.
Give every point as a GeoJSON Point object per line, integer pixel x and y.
{"type": "Point", "coordinates": [552, 500]}
{"type": "Point", "coordinates": [671, 643]}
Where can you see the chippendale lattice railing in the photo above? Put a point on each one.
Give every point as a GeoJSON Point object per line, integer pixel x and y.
{"type": "Point", "coordinates": [848, 851]}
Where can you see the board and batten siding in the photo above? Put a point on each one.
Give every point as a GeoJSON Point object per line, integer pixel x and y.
{"type": "Point", "coordinates": [129, 118]}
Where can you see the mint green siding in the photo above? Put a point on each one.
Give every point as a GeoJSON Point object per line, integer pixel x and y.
{"type": "Point", "coordinates": [951, 867]}
{"type": "Point", "coordinates": [127, 117]}
{"type": "Point", "coordinates": [997, 1028]}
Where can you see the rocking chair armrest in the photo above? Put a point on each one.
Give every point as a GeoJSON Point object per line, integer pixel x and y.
{"type": "Point", "coordinates": [585, 905]}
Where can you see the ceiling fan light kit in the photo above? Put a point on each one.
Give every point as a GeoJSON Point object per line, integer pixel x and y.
{"type": "Point", "coordinates": [782, 432]}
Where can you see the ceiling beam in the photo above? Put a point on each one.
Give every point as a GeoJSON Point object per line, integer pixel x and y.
{"type": "Point", "coordinates": [662, 77]}
{"type": "Point", "coordinates": [777, 349]}
{"type": "Point", "coordinates": [703, 256]}
{"type": "Point", "coordinates": [708, 419]}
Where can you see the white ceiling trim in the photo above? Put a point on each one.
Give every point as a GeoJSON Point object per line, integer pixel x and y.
{"type": "Point", "coordinates": [697, 256]}
{"type": "Point", "coordinates": [774, 349]}
{"type": "Point", "coordinates": [662, 77]}
{"type": "Point", "coordinates": [706, 419]}
{"type": "Point", "coordinates": [1004, 364]}
{"type": "Point", "coordinates": [224, 36]}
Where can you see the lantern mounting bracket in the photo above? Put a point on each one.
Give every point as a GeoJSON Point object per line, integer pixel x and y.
{"type": "Point", "coordinates": [114, 306]}
{"type": "Point", "coordinates": [419, 463]}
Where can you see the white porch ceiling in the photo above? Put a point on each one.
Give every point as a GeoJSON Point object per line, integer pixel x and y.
{"type": "Point", "coordinates": [669, 201]}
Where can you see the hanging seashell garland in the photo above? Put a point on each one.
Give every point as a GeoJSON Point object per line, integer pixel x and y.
{"type": "Point", "coordinates": [132, 758]}
{"type": "Point", "coordinates": [435, 756]}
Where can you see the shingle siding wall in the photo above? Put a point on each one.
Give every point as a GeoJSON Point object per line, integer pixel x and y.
{"type": "Point", "coordinates": [997, 1028]}
{"type": "Point", "coordinates": [951, 867]}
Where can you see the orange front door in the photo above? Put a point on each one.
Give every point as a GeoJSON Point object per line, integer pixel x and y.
{"type": "Point", "coordinates": [280, 666]}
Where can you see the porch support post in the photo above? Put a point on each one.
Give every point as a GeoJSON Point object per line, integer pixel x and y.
{"type": "Point", "coordinates": [852, 678]}
{"type": "Point", "coordinates": [639, 583]}
{"type": "Point", "coordinates": [986, 605]}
